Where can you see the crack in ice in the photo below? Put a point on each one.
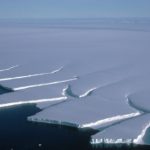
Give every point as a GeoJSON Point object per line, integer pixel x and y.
{"type": "Point", "coordinates": [136, 107]}
{"type": "Point", "coordinates": [32, 102]}
{"type": "Point", "coordinates": [32, 75]}
{"type": "Point", "coordinates": [68, 92]}
{"type": "Point", "coordinates": [110, 120]}
{"type": "Point", "coordinates": [10, 68]}
{"type": "Point", "coordinates": [88, 93]}
{"type": "Point", "coordinates": [43, 84]}
{"type": "Point", "coordinates": [57, 70]}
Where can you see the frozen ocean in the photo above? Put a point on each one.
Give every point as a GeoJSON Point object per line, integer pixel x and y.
{"type": "Point", "coordinates": [91, 74]}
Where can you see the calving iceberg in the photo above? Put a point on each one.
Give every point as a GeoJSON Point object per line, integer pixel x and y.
{"type": "Point", "coordinates": [103, 85]}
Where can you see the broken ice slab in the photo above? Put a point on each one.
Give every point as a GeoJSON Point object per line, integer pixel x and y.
{"type": "Point", "coordinates": [128, 129]}
{"type": "Point", "coordinates": [86, 110]}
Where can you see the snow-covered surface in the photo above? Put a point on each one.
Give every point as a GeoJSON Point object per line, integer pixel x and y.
{"type": "Point", "coordinates": [84, 73]}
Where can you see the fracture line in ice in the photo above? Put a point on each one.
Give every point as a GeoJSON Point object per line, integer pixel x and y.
{"type": "Point", "coordinates": [139, 139]}
{"type": "Point", "coordinates": [32, 75]}
{"type": "Point", "coordinates": [52, 105]}
{"type": "Point", "coordinates": [43, 84]}
{"type": "Point", "coordinates": [32, 102]}
{"type": "Point", "coordinates": [57, 70]}
{"type": "Point", "coordinates": [68, 92]}
{"type": "Point", "coordinates": [136, 107]}
{"type": "Point", "coordinates": [88, 93]}
{"type": "Point", "coordinates": [110, 120]}
{"type": "Point", "coordinates": [10, 68]}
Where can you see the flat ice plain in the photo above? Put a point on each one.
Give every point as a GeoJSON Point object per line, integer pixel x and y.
{"type": "Point", "coordinates": [82, 73]}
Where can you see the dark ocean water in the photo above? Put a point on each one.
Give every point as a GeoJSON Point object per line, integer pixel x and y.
{"type": "Point", "coordinates": [18, 134]}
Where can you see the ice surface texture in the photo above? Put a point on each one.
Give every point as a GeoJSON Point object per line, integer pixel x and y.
{"type": "Point", "coordinates": [92, 74]}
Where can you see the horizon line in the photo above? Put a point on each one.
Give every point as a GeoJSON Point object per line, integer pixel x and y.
{"type": "Point", "coordinates": [76, 18]}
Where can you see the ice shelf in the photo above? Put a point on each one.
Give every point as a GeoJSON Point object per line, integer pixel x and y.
{"type": "Point", "coordinates": [91, 77]}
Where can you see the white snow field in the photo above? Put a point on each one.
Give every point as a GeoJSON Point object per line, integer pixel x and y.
{"type": "Point", "coordinates": [92, 74]}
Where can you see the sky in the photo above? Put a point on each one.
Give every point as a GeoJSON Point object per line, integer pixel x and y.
{"type": "Point", "coordinates": [74, 8]}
